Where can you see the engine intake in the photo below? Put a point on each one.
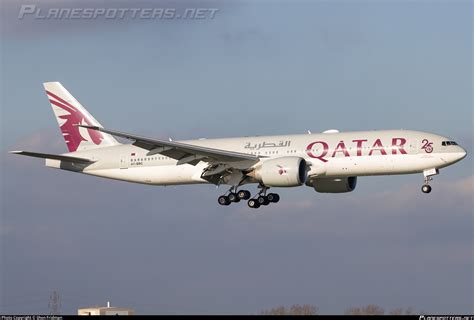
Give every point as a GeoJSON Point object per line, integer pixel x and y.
{"type": "Point", "coordinates": [282, 172]}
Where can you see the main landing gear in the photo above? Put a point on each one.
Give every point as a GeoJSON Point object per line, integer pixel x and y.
{"type": "Point", "coordinates": [260, 199]}
{"type": "Point", "coordinates": [263, 199]}
{"type": "Point", "coordinates": [233, 196]}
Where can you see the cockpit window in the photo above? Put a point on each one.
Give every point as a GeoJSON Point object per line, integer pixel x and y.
{"type": "Point", "coordinates": [449, 143]}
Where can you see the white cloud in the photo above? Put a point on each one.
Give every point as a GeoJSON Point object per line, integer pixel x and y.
{"type": "Point", "coordinates": [47, 140]}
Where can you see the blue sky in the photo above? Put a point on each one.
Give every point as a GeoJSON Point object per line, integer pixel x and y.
{"type": "Point", "coordinates": [261, 67]}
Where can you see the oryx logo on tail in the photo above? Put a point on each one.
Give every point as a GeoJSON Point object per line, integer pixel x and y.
{"type": "Point", "coordinates": [69, 128]}
{"type": "Point", "coordinates": [69, 114]}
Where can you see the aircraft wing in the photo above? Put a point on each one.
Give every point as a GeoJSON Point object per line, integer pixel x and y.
{"type": "Point", "coordinates": [183, 152]}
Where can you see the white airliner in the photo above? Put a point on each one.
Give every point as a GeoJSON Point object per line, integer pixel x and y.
{"type": "Point", "coordinates": [328, 162]}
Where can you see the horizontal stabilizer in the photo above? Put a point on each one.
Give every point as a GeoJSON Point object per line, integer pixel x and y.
{"type": "Point", "coordinates": [53, 156]}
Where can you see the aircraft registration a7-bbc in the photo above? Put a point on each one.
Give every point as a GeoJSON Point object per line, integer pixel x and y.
{"type": "Point", "coordinates": [329, 162]}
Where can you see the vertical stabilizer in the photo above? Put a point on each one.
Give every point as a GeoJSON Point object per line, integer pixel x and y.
{"type": "Point", "coordinates": [70, 113]}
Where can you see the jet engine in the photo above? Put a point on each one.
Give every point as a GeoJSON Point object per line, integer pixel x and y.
{"type": "Point", "coordinates": [334, 185]}
{"type": "Point", "coordinates": [282, 172]}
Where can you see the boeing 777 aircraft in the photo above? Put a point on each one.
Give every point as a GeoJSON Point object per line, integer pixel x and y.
{"type": "Point", "coordinates": [328, 162]}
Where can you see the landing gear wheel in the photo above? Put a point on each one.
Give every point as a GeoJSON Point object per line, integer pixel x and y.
{"type": "Point", "coordinates": [223, 200]}
{"type": "Point", "coordinates": [253, 203]}
{"type": "Point", "coordinates": [263, 200]}
{"type": "Point", "coordinates": [426, 188]}
{"type": "Point", "coordinates": [244, 194]}
{"type": "Point", "coordinates": [273, 197]}
{"type": "Point", "coordinates": [233, 197]}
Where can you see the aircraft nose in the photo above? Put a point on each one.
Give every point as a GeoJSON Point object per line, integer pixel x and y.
{"type": "Point", "coordinates": [462, 154]}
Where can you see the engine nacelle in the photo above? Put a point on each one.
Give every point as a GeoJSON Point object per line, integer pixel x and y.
{"type": "Point", "coordinates": [282, 172]}
{"type": "Point", "coordinates": [334, 185]}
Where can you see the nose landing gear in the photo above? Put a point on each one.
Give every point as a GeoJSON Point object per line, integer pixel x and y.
{"type": "Point", "coordinates": [426, 188]}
